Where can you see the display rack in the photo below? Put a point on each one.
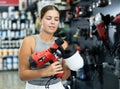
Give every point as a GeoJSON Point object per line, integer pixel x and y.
{"type": "Point", "coordinates": [13, 28]}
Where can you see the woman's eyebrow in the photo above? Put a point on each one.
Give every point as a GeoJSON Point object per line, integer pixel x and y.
{"type": "Point", "coordinates": [55, 16]}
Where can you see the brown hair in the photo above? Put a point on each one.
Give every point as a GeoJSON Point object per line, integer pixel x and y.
{"type": "Point", "coordinates": [47, 8]}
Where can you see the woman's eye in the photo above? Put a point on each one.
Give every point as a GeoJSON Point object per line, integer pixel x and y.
{"type": "Point", "coordinates": [48, 18]}
{"type": "Point", "coordinates": [56, 19]}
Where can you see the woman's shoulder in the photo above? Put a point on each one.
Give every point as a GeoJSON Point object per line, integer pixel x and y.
{"type": "Point", "coordinates": [29, 42]}
{"type": "Point", "coordinates": [29, 38]}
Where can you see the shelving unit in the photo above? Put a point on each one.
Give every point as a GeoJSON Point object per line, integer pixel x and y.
{"type": "Point", "coordinates": [12, 31]}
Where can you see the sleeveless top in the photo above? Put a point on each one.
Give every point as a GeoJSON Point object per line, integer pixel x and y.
{"type": "Point", "coordinates": [40, 45]}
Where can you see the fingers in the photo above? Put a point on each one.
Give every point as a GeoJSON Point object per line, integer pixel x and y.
{"type": "Point", "coordinates": [56, 68]}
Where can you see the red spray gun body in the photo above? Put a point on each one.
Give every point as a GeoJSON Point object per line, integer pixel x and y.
{"type": "Point", "coordinates": [48, 55]}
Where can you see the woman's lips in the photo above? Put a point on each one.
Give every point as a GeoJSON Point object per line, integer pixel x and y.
{"type": "Point", "coordinates": [51, 27]}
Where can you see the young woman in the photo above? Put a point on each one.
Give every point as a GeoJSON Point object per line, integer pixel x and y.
{"type": "Point", "coordinates": [38, 77]}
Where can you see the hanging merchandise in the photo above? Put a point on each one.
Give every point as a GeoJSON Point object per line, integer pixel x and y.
{"type": "Point", "coordinates": [111, 32]}
{"type": "Point", "coordinates": [116, 20]}
{"type": "Point", "coordinates": [103, 3]}
{"type": "Point", "coordinates": [101, 23]}
{"type": "Point", "coordinates": [81, 74]}
{"type": "Point", "coordinates": [117, 66]}
{"type": "Point", "coordinates": [68, 1]}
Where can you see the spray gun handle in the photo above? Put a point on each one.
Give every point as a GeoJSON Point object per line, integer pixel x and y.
{"type": "Point", "coordinates": [60, 75]}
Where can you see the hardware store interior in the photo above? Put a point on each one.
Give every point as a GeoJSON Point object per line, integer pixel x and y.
{"type": "Point", "coordinates": [93, 26]}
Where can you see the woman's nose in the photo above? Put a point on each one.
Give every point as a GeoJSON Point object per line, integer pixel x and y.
{"type": "Point", "coordinates": [52, 21]}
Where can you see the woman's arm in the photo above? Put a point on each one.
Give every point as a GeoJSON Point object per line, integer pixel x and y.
{"type": "Point", "coordinates": [24, 67]}
{"type": "Point", "coordinates": [67, 71]}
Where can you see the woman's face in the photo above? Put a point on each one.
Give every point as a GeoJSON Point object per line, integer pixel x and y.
{"type": "Point", "coordinates": [50, 21]}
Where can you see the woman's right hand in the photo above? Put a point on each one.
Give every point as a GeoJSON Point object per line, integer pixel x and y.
{"type": "Point", "coordinates": [54, 68]}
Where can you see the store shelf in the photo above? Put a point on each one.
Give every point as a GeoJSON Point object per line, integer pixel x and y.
{"type": "Point", "coordinates": [13, 29]}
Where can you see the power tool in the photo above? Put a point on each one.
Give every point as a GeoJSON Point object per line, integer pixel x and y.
{"type": "Point", "coordinates": [101, 23]}
{"type": "Point", "coordinates": [54, 53]}
{"type": "Point", "coordinates": [48, 55]}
